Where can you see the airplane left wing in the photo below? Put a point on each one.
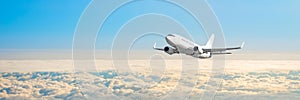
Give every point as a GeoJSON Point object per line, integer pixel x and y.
{"type": "Point", "coordinates": [222, 49]}
{"type": "Point", "coordinates": [154, 47]}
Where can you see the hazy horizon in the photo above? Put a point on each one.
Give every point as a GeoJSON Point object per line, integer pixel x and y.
{"type": "Point", "coordinates": [138, 54]}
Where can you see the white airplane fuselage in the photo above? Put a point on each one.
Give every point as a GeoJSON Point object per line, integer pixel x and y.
{"type": "Point", "coordinates": [185, 46]}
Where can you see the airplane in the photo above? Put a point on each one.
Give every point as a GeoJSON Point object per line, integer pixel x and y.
{"type": "Point", "coordinates": [182, 45]}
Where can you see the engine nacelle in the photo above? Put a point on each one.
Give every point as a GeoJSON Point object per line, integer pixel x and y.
{"type": "Point", "coordinates": [170, 50]}
{"type": "Point", "coordinates": [197, 50]}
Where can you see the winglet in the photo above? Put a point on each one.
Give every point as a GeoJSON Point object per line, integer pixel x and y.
{"type": "Point", "coordinates": [154, 46]}
{"type": "Point", "coordinates": [242, 45]}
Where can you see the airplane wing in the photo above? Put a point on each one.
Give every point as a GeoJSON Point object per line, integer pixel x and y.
{"type": "Point", "coordinates": [222, 49]}
{"type": "Point", "coordinates": [154, 47]}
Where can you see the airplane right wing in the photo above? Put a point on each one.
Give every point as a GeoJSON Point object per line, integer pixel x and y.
{"type": "Point", "coordinates": [222, 49]}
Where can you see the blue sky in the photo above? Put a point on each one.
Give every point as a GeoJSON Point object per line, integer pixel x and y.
{"type": "Point", "coordinates": [263, 24]}
{"type": "Point", "coordinates": [40, 24]}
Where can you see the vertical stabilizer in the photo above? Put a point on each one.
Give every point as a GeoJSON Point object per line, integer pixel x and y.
{"type": "Point", "coordinates": [210, 41]}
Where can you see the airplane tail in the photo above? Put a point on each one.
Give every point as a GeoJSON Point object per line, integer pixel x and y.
{"type": "Point", "coordinates": [210, 41]}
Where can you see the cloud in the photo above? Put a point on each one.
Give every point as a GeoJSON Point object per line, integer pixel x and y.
{"type": "Point", "coordinates": [108, 83]}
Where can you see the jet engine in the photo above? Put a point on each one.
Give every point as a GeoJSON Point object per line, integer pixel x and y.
{"type": "Point", "coordinates": [170, 50]}
{"type": "Point", "coordinates": [197, 50]}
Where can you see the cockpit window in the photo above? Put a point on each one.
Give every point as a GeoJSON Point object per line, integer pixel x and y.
{"type": "Point", "coordinates": [171, 35]}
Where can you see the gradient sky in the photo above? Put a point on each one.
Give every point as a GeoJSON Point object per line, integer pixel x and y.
{"type": "Point", "coordinates": [263, 24]}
